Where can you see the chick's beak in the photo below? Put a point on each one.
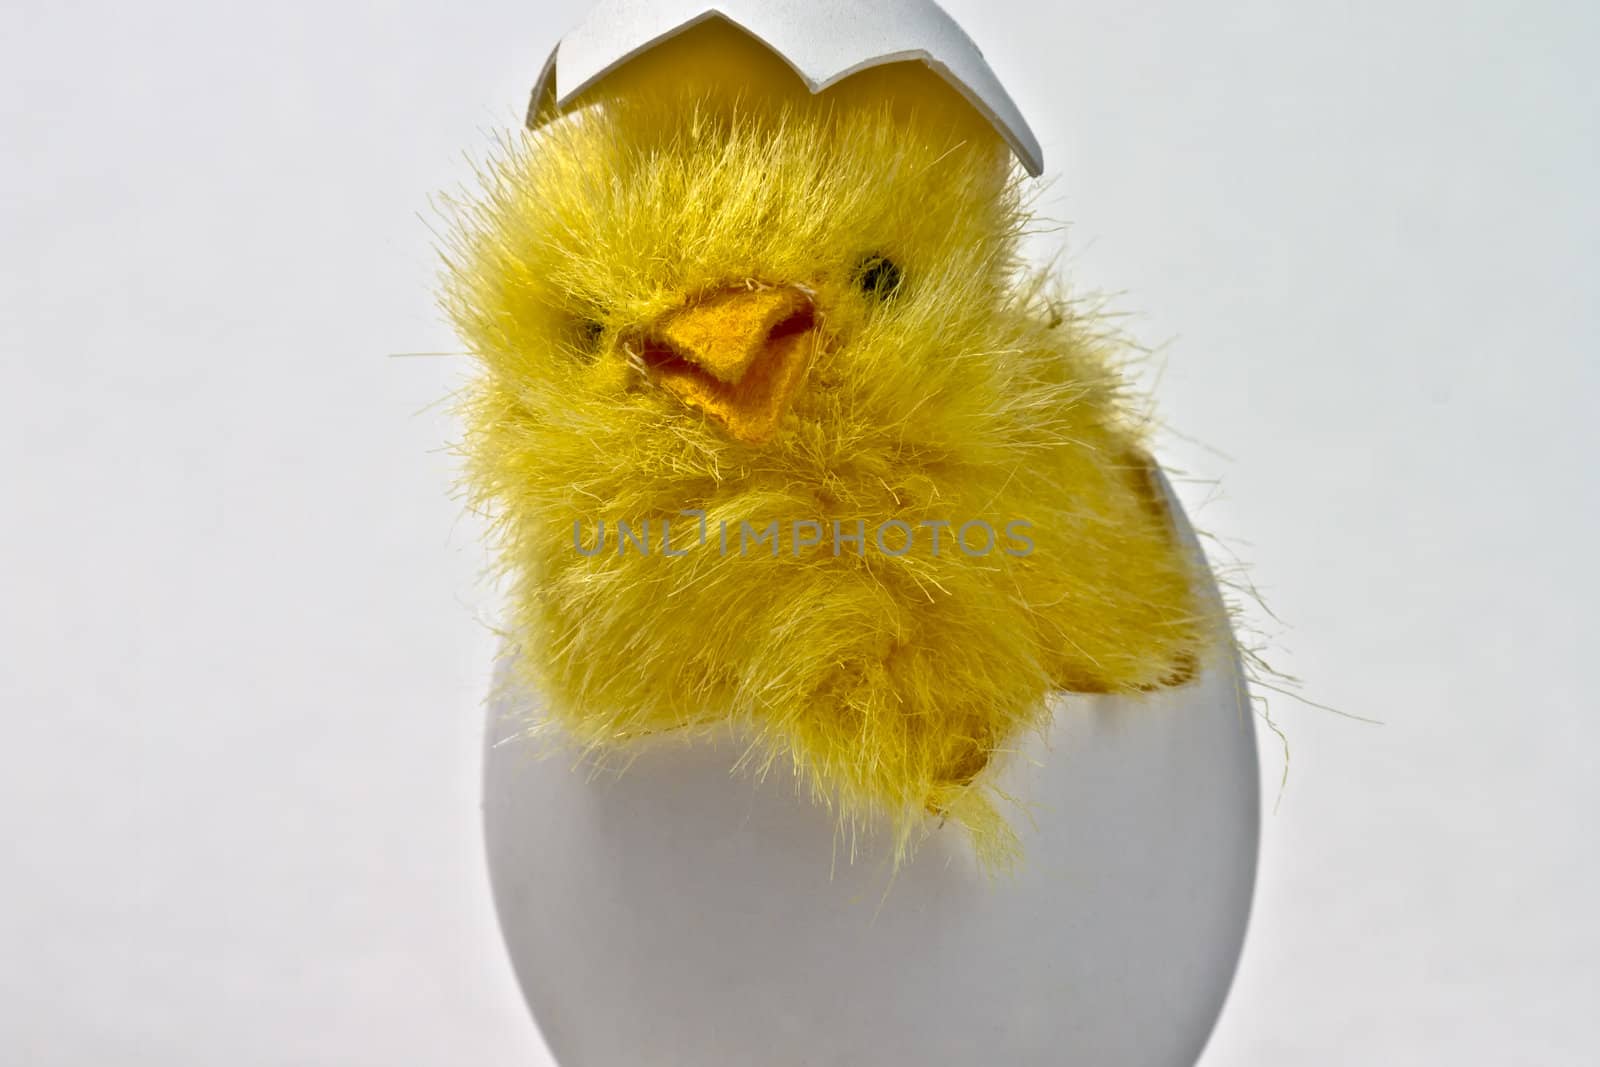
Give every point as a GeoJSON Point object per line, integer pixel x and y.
{"type": "Point", "coordinates": [738, 355]}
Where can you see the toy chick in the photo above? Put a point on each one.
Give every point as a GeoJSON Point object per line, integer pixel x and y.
{"type": "Point", "coordinates": [779, 437]}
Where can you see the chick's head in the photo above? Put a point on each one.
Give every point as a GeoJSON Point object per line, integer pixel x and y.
{"type": "Point", "coordinates": [755, 325]}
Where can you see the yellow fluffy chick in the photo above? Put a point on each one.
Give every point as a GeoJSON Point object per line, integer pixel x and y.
{"type": "Point", "coordinates": [778, 435]}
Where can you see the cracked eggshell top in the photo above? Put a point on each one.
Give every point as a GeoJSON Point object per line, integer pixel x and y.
{"type": "Point", "coordinates": [823, 40]}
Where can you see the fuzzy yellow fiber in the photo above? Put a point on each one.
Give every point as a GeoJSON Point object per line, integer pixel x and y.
{"type": "Point", "coordinates": [948, 390]}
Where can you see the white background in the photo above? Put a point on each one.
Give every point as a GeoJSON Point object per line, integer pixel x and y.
{"type": "Point", "coordinates": [242, 623]}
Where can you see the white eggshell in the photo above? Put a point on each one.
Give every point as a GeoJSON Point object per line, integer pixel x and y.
{"type": "Point", "coordinates": [823, 40]}
{"type": "Point", "coordinates": [679, 915]}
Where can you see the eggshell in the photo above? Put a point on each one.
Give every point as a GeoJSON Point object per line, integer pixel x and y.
{"type": "Point", "coordinates": [681, 914]}
{"type": "Point", "coordinates": [823, 40]}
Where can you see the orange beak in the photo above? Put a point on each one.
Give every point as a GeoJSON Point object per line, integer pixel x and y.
{"type": "Point", "coordinates": [739, 356]}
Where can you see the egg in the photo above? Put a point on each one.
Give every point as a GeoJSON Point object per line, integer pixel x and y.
{"type": "Point", "coordinates": [888, 709]}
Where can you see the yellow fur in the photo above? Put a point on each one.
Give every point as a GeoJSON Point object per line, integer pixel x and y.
{"type": "Point", "coordinates": [893, 682]}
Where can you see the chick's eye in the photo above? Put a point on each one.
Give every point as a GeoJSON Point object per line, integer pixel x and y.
{"type": "Point", "coordinates": [585, 336]}
{"type": "Point", "coordinates": [879, 277]}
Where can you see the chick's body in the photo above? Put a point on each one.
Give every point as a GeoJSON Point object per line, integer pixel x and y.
{"type": "Point", "coordinates": [707, 302]}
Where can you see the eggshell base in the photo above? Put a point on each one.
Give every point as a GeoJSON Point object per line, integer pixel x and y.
{"type": "Point", "coordinates": [679, 915]}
